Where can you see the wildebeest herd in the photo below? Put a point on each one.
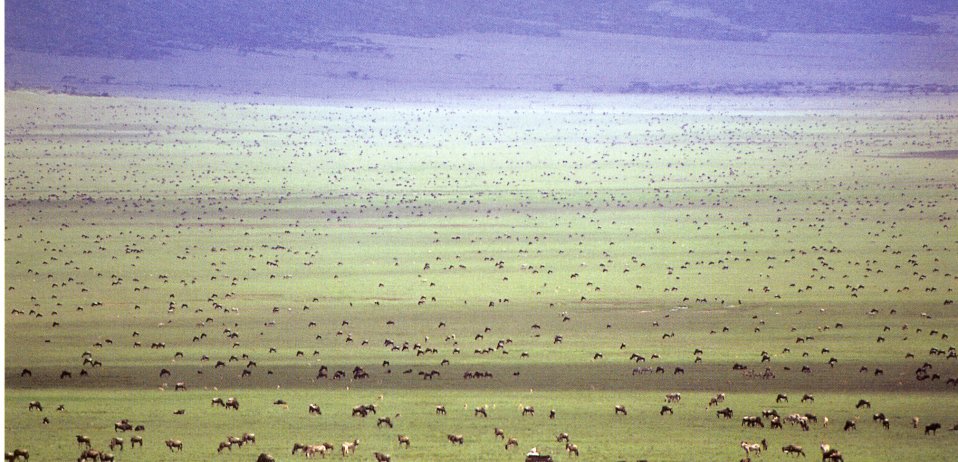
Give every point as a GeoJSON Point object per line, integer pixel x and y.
{"type": "Point", "coordinates": [412, 281]}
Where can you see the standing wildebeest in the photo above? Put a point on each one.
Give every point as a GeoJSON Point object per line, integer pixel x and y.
{"type": "Point", "coordinates": [528, 410]}
{"type": "Point", "coordinates": [481, 411]}
{"type": "Point", "coordinates": [380, 457]}
{"type": "Point", "coordinates": [562, 437]}
{"type": "Point", "coordinates": [727, 413]}
{"type": "Point", "coordinates": [349, 448]}
{"type": "Point", "coordinates": [264, 457]}
{"type": "Point", "coordinates": [403, 440]}
{"type": "Point", "coordinates": [17, 454]}
{"type": "Point", "coordinates": [297, 447]}
{"type": "Point", "coordinates": [752, 421]}
{"type": "Point", "coordinates": [793, 449]}
{"type": "Point", "coordinates": [500, 433]}
{"type": "Point", "coordinates": [134, 440]}
{"type": "Point", "coordinates": [107, 457]}
{"type": "Point", "coordinates": [314, 409]}
{"type": "Point", "coordinates": [440, 409]}
{"type": "Point", "coordinates": [620, 409]}
{"type": "Point", "coordinates": [934, 427]}
{"type": "Point", "coordinates": [34, 405]}
{"type": "Point", "coordinates": [455, 439]}
{"type": "Point", "coordinates": [90, 454]}
{"type": "Point", "coordinates": [84, 440]}
{"type": "Point", "coordinates": [673, 397]}
{"type": "Point", "coordinates": [572, 449]}
{"type": "Point", "coordinates": [174, 444]}
{"type": "Point", "coordinates": [179, 386]}
{"type": "Point", "coordinates": [321, 449]}
{"type": "Point", "coordinates": [249, 438]}
{"type": "Point", "coordinates": [116, 442]}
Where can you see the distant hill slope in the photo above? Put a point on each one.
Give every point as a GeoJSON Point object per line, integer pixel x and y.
{"type": "Point", "coordinates": [150, 28]}
{"type": "Point", "coordinates": [358, 48]}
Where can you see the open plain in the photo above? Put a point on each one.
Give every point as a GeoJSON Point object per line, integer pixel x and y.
{"type": "Point", "coordinates": [568, 253]}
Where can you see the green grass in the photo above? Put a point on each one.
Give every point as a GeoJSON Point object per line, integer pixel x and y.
{"type": "Point", "coordinates": [632, 217]}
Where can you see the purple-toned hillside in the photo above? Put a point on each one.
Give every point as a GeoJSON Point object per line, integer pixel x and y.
{"type": "Point", "coordinates": [377, 47]}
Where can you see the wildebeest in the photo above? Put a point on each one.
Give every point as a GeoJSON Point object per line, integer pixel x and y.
{"type": "Point", "coordinates": [314, 409]}
{"type": "Point", "coordinates": [122, 426]}
{"type": "Point", "coordinates": [18, 453]}
{"type": "Point", "coordinates": [781, 397]}
{"type": "Point", "coordinates": [752, 421]}
{"type": "Point", "coordinates": [620, 409]}
{"type": "Point", "coordinates": [665, 409]}
{"type": "Point", "coordinates": [863, 403]}
{"type": "Point", "coordinates": [673, 397]}
{"type": "Point", "coordinates": [572, 449]}
{"type": "Point", "coordinates": [512, 443]}
{"type": "Point", "coordinates": [34, 405]}
{"type": "Point", "coordinates": [179, 386]}
{"type": "Point", "coordinates": [793, 449]}
{"type": "Point", "coordinates": [528, 410]}
{"type": "Point", "coordinates": [384, 421]}
{"type": "Point", "coordinates": [90, 454]}
{"type": "Point", "coordinates": [562, 437]}
{"type": "Point", "coordinates": [83, 440]}
{"type": "Point", "coordinates": [849, 425]}
{"type": "Point", "coordinates": [932, 428]}
{"type": "Point", "coordinates": [455, 439]}
{"type": "Point", "coordinates": [481, 411]}
{"type": "Point", "coordinates": [380, 457]}
{"type": "Point", "coordinates": [808, 397]}
{"type": "Point", "coordinates": [321, 449]}
{"type": "Point", "coordinates": [264, 457]}
{"type": "Point", "coordinates": [440, 409]}
{"type": "Point", "coordinates": [757, 448]}
{"type": "Point", "coordinates": [348, 448]}
{"type": "Point", "coordinates": [727, 413]}
{"type": "Point", "coordinates": [174, 444]}
{"type": "Point", "coordinates": [134, 440]}
{"type": "Point", "coordinates": [403, 440]}
{"type": "Point", "coordinates": [114, 442]}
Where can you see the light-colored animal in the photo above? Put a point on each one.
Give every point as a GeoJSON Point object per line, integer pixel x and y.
{"type": "Point", "coordinates": [455, 439]}
{"type": "Point", "coordinates": [512, 442]}
{"type": "Point", "coordinates": [174, 444]}
{"type": "Point", "coordinates": [404, 440]}
{"type": "Point", "coordinates": [348, 448]}
{"type": "Point", "coordinates": [673, 397]}
{"type": "Point", "coordinates": [321, 449]}
{"type": "Point", "coordinates": [572, 449]}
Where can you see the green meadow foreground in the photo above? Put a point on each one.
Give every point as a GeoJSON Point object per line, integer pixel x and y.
{"type": "Point", "coordinates": [485, 254]}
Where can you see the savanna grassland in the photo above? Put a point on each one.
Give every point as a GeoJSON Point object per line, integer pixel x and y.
{"type": "Point", "coordinates": [541, 240]}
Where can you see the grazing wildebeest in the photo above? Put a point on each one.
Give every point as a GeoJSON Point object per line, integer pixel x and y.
{"type": "Point", "coordinates": [572, 449]}
{"type": "Point", "coordinates": [90, 454]}
{"type": "Point", "coordinates": [665, 409]}
{"type": "Point", "coordinates": [403, 440]}
{"type": "Point", "coordinates": [224, 445]}
{"type": "Point", "coordinates": [321, 449]}
{"type": "Point", "coordinates": [264, 457]}
{"type": "Point", "coordinates": [122, 426]}
{"type": "Point", "coordinates": [528, 410]}
{"type": "Point", "coordinates": [512, 442]}
{"type": "Point", "coordinates": [934, 427]}
{"type": "Point", "coordinates": [673, 397]}
{"type": "Point", "coordinates": [299, 447]}
{"type": "Point", "coordinates": [776, 422]}
{"type": "Point", "coordinates": [481, 411]}
{"type": "Point", "coordinates": [752, 421]}
{"type": "Point", "coordinates": [863, 403]}
{"type": "Point", "coordinates": [727, 413]}
{"type": "Point", "coordinates": [552, 414]}
{"type": "Point", "coordinates": [384, 421]}
{"type": "Point", "coordinates": [562, 437]}
{"type": "Point", "coordinates": [830, 454]}
{"type": "Point", "coordinates": [249, 438]}
{"type": "Point", "coordinates": [349, 448]}
{"type": "Point", "coordinates": [849, 425]}
{"type": "Point", "coordinates": [135, 440]}
{"type": "Point", "coordinates": [18, 453]}
{"type": "Point", "coordinates": [216, 401]}
{"type": "Point", "coordinates": [84, 440]}
{"type": "Point", "coordinates": [139, 428]}
{"type": "Point", "coordinates": [26, 373]}
{"type": "Point", "coordinates": [781, 397]}
{"type": "Point", "coordinates": [455, 439]}
{"type": "Point", "coordinates": [107, 457]}
{"type": "Point", "coordinates": [793, 449]}
{"type": "Point", "coordinates": [114, 442]}
{"type": "Point", "coordinates": [314, 409]}
{"type": "Point", "coordinates": [808, 397]}
{"type": "Point", "coordinates": [620, 409]}
{"type": "Point", "coordinates": [380, 457]}
{"type": "Point", "coordinates": [34, 405]}
{"type": "Point", "coordinates": [440, 409]}
{"type": "Point", "coordinates": [179, 386]}
{"type": "Point", "coordinates": [231, 403]}
{"type": "Point", "coordinates": [174, 444]}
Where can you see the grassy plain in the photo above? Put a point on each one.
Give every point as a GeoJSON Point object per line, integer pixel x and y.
{"type": "Point", "coordinates": [134, 220]}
